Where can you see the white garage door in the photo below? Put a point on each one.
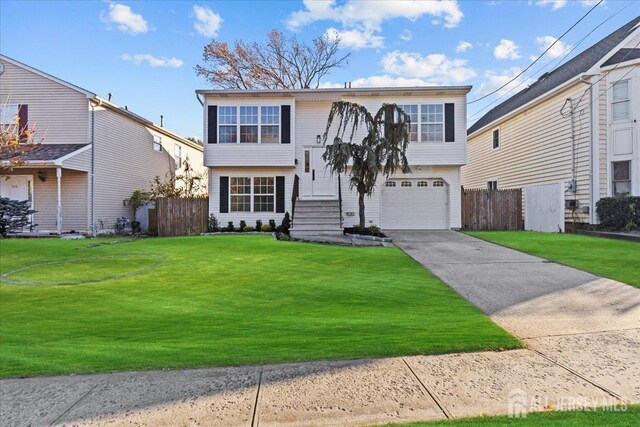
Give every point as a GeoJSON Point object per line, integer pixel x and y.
{"type": "Point", "coordinates": [415, 204]}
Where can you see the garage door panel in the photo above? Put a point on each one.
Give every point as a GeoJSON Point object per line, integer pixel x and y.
{"type": "Point", "coordinates": [414, 207]}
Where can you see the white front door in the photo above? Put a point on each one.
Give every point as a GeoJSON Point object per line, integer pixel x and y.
{"type": "Point", "coordinates": [317, 180]}
{"type": "Point", "coordinates": [16, 187]}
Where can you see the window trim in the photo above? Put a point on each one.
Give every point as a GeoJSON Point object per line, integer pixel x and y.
{"type": "Point", "coordinates": [178, 155]}
{"type": "Point", "coordinates": [493, 146]}
{"type": "Point", "coordinates": [13, 118]}
{"type": "Point", "coordinates": [252, 194]}
{"type": "Point", "coordinates": [627, 100]}
{"type": "Point", "coordinates": [491, 182]}
{"type": "Point", "coordinates": [157, 144]}
{"type": "Point", "coordinates": [238, 125]}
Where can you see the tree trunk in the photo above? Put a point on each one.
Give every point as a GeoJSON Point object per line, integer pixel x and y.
{"type": "Point", "coordinates": [361, 210]}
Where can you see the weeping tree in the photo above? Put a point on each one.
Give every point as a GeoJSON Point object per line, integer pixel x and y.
{"type": "Point", "coordinates": [381, 149]}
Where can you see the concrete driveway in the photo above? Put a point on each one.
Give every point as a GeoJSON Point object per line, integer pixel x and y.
{"type": "Point", "coordinates": [529, 296]}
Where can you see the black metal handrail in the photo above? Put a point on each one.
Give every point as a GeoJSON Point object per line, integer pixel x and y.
{"type": "Point", "coordinates": [294, 195]}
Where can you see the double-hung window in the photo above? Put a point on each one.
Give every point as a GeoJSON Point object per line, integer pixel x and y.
{"type": "Point", "coordinates": [228, 124]}
{"type": "Point", "coordinates": [240, 191]}
{"type": "Point", "coordinates": [157, 143]}
{"type": "Point", "coordinates": [249, 124]}
{"type": "Point", "coordinates": [621, 182]}
{"type": "Point", "coordinates": [431, 123]}
{"type": "Point", "coordinates": [620, 101]}
{"type": "Point", "coordinates": [263, 194]}
{"type": "Point", "coordinates": [270, 124]}
{"type": "Point", "coordinates": [496, 138]}
{"type": "Point", "coordinates": [177, 152]}
{"type": "Point", "coordinates": [8, 116]}
{"type": "Point", "coordinates": [412, 112]}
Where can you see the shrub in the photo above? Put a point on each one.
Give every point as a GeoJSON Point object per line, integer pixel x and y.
{"type": "Point", "coordinates": [283, 236]}
{"type": "Point", "coordinates": [374, 230]}
{"type": "Point", "coordinates": [212, 224]}
{"type": "Point", "coordinates": [258, 225]}
{"type": "Point", "coordinates": [243, 225]}
{"type": "Point", "coordinates": [621, 212]}
{"type": "Point", "coordinates": [230, 226]}
{"type": "Point", "coordinates": [14, 215]}
{"type": "Point", "coordinates": [286, 221]}
{"type": "Point", "coordinates": [272, 224]}
{"type": "Point", "coordinates": [266, 228]}
{"type": "Point", "coordinates": [248, 228]}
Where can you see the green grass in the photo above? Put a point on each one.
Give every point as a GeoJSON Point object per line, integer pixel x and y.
{"type": "Point", "coordinates": [224, 300]}
{"type": "Point", "coordinates": [615, 259]}
{"type": "Point", "coordinates": [628, 416]}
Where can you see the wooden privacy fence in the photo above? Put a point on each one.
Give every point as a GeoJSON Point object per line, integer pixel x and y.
{"type": "Point", "coordinates": [492, 209]}
{"type": "Point", "coordinates": [182, 216]}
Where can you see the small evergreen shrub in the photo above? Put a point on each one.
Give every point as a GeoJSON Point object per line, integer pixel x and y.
{"type": "Point", "coordinates": [272, 224]}
{"type": "Point", "coordinates": [258, 225]}
{"type": "Point", "coordinates": [248, 228]}
{"type": "Point", "coordinates": [230, 226]}
{"type": "Point", "coordinates": [266, 228]}
{"type": "Point", "coordinates": [212, 224]}
{"type": "Point", "coordinates": [283, 236]}
{"type": "Point", "coordinates": [621, 212]}
{"type": "Point", "coordinates": [286, 221]}
{"type": "Point", "coordinates": [243, 225]}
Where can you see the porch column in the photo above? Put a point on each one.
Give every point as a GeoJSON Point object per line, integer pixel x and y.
{"type": "Point", "coordinates": [59, 215]}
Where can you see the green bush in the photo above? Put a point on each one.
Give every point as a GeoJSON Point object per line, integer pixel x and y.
{"type": "Point", "coordinates": [266, 228]}
{"type": "Point", "coordinates": [272, 224]}
{"type": "Point", "coordinates": [248, 228]}
{"type": "Point", "coordinates": [283, 236]}
{"type": "Point", "coordinates": [621, 212]}
{"type": "Point", "coordinates": [258, 225]}
{"type": "Point", "coordinates": [230, 226]}
{"type": "Point", "coordinates": [212, 225]}
{"type": "Point", "coordinates": [243, 225]}
{"type": "Point", "coordinates": [286, 222]}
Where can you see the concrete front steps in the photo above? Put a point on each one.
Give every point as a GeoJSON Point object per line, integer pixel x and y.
{"type": "Point", "coordinates": [316, 218]}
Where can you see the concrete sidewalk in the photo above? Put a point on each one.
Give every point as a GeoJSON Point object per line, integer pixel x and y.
{"type": "Point", "coordinates": [337, 393]}
{"type": "Point", "coordinates": [582, 335]}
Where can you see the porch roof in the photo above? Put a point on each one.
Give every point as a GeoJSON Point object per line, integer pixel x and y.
{"type": "Point", "coordinates": [47, 152]}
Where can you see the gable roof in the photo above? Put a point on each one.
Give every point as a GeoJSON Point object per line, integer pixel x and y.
{"type": "Point", "coordinates": [547, 82]}
{"type": "Point", "coordinates": [623, 55]}
{"type": "Point", "coordinates": [45, 152]}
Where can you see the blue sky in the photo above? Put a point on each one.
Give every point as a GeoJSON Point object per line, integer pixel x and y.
{"type": "Point", "coordinates": [144, 51]}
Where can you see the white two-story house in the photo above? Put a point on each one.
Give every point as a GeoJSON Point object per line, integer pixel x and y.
{"type": "Point", "coordinates": [264, 152]}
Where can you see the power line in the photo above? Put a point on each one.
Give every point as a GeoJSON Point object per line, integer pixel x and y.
{"type": "Point", "coordinates": [564, 55]}
{"type": "Point", "coordinates": [538, 58]}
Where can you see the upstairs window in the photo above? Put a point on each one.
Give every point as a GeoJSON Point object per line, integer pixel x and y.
{"type": "Point", "coordinates": [432, 123]}
{"type": "Point", "coordinates": [8, 115]}
{"type": "Point", "coordinates": [177, 153]}
{"type": "Point", "coordinates": [157, 143]}
{"type": "Point", "coordinates": [412, 112]}
{"type": "Point", "coordinates": [621, 183]}
{"type": "Point", "coordinates": [620, 101]}
{"type": "Point", "coordinates": [228, 124]}
{"type": "Point", "coordinates": [249, 124]}
{"type": "Point", "coordinates": [496, 138]}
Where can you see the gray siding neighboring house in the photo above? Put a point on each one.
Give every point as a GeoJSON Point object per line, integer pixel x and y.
{"type": "Point", "coordinates": [82, 133]}
{"type": "Point", "coordinates": [540, 142]}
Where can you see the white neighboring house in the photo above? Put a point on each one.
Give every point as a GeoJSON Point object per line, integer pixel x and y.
{"type": "Point", "coordinates": [531, 139]}
{"type": "Point", "coordinates": [264, 153]}
{"type": "Point", "coordinates": [83, 136]}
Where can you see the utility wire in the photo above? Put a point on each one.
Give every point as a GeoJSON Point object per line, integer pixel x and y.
{"type": "Point", "coordinates": [564, 55]}
{"type": "Point", "coordinates": [541, 55]}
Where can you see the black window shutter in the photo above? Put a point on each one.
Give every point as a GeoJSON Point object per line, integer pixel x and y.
{"type": "Point", "coordinates": [279, 194]}
{"type": "Point", "coordinates": [285, 123]}
{"type": "Point", "coordinates": [449, 124]}
{"type": "Point", "coordinates": [23, 117]}
{"type": "Point", "coordinates": [224, 194]}
{"type": "Point", "coordinates": [212, 128]}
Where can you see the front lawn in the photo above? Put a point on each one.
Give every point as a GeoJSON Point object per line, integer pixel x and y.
{"type": "Point", "coordinates": [619, 417]}
{"type": "Point", "coordinates": [615, 259]}
{"type": "Point", "coordinates": [224, 300]}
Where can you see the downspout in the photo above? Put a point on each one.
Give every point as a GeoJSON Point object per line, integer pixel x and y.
{"type": "Point", "coordinates": [593, 152]}
{"type": "Point", "coordinates": [93, 170]}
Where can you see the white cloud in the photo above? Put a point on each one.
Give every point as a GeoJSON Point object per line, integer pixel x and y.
{"type": "Point", "coordinates": [463, 46]}
{"type": "Point", "coordinates": [555, 4]}
{"type": "Point", "coordinates": [438, 68]}
{"type": "Point", "coordinates": [207, 21]}
{"type": "Point", "coordinates": [406, 35]}
{"type": "Point", "coordinates": [126, 20]}
{"type": "Point", "coordinates": [590, 3]}
{"type": "Point", "coordinates": [152, 60]}
{"type": "Point", "coordinates": [495, 79]}
{"type": "Point", "coordinates": [356, 39]}
{"type": "Point", "coordinates": [367, 17]}
{"type": "Point", "coordinates": [380, 81]}
{"type": "Point", "coordinates": [558, 49]}
{"type": "Point", "coordinates": [507, 49]}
